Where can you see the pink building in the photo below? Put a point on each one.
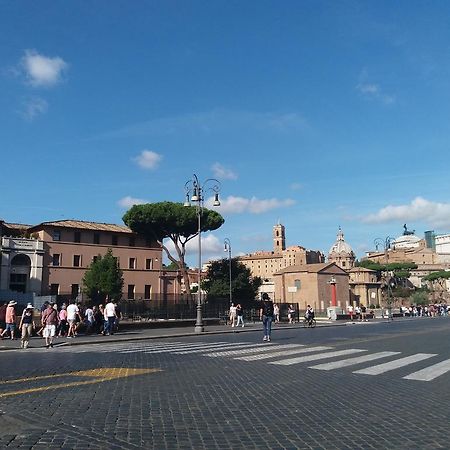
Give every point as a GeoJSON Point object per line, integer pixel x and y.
{"type": "Point", "coordinates": [66, 249]}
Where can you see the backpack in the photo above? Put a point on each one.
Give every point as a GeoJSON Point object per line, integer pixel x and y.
{"type": "Point", "coordinates": [268, 309]}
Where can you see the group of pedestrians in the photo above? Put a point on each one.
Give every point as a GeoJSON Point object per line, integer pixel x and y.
{"type": "Point", "coordinates": [236, 315]}
{"type": "Point", "coordinates": [432, 310]}
{"type": "Point", "coordinates": [52, 321]}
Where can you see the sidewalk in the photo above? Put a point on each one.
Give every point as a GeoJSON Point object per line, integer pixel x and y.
{"type": "Point", "coordinates": [155, 333]}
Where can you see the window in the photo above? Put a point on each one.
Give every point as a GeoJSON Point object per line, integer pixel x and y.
{"type": "Point", "coordinates": [96, 238]}
{"type": "Point", "coordinates": [132, 263]}
{"type": "Point", "coordinates": [148, 291]}
{"type": "Point", "coordinates": [54, 289]}
{"type": "Point", "coordinates": [94, 258]}
{"type": "Point", "coordinates": [149, 264]}
{"type": "Point", "coordinates": [297, 284]}
{"type": "Point", "coordinates": [77, 236]}
{"type": "Point", "coordinates": [343, 263]}
{"type": "Point", "coordinates": [114, 240]}
{"type": "Point", "coordinates": [131, 291]}
{"type": "Point", "coordinates": [75, 290]}
{"type": "Point", "coordinates": [76, 260]}
{"type": "Point", "coordinates": [132, 241]}
{"type": "Point", "coordinates": [56, 259]}
{"type": "Point", "coordinates": [56, 235]}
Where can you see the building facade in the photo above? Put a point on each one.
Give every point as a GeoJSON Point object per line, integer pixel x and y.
{"type": "Point", "coordinates": [264, 264]}
{"type": "Point", "coordinates": [56, 255]}
{"type": "Point", "coordinates": [310, 285]}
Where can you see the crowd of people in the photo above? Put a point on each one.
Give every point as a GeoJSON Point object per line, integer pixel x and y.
{"type": "Point", "coordinates": [53, 321]}
{"type": "Point", "coordinates": [433, 310]}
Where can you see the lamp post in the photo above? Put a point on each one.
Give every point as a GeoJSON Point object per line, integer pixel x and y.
{"type": "Point", "coordinates": [227, 248]}
{"type": "Point", "coordinates": [388, 278]}
{"type": "Point", "coordinates": [195, 194]}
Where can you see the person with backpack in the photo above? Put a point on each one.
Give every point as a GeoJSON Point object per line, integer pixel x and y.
{"type": "Point", "coordinates": [266, 315]}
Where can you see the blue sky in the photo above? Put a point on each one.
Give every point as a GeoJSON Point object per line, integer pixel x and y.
{"type": "Point", "coordinates": [315, 114]}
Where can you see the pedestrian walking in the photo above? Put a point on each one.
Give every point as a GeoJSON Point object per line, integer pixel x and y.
{"type": "Point", "coordinates": [350, 312]}
{"type": "Point", "coordinates": [10, 319]}
{"type": "Point", "coordinates": [62, 316]}
{"type": "Point", "coordinates": [73, 313]}
{"type": "Point", "coordinates": [291, 314]}
{"type": "Point", "coordinates": [232, 314]}
{"type": "Point", "coordinates": [110, 317]}
{"type": "Point", "coordinates": [239, 315]}
{"type": "Point", "coordinates": [89, 319]}
{"type": "Point", "coordinates": [49, 322]}
{"type": "Point", "coordinates": [276, 313]}
{"type": "Point", "coordinates": [26, 325]}
{"type": "Point", "coordinates": [266, 315]}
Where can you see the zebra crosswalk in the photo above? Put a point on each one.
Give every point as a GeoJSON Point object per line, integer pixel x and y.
{"type": "Point", "coordinates": [288, 355]}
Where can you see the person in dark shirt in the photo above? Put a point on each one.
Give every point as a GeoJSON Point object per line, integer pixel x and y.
{"type": "Point", "coordinates": [266, 315]}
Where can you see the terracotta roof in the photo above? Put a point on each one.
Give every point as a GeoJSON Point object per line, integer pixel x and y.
{"type": "Point", "coordinates": [16, 226]}
{"type": "Point", "coordinates": [82, 225]}
{"type": "Point", "coordinates": [312, 268]}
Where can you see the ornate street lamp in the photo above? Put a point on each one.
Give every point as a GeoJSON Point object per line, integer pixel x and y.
{"type": "Point", "coordinates": [195, 194]}
{"type": "Point", "coordinates": [227, 248]}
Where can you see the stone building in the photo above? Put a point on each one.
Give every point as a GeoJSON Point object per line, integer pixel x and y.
{"type": "Point", "coordinates": [341, 253]}
{"type": "Point", "coordinates": [264, 264]}
{"type": "Point", "coordinates": [365, 289]}
{"type": "Point", "coordinates": [310, 284]}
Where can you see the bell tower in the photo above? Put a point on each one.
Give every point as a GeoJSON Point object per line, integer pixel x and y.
{"type": "Point", "coordinates": [279, 238]}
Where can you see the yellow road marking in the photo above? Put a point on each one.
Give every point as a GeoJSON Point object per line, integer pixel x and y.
{"type": "Point", "coordinates": [100, 375]}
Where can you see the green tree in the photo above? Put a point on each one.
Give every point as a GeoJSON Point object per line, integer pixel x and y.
{"type": "Point", "coordinates": [103, 277]}
{"type": "Point", "coordinates": [436, 281]}
{"type": "Point", "coordinates": [174, 221]}
{"type": "Point", "coordinates": [244, 287]}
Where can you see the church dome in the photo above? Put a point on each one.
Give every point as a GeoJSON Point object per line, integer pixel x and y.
{"type": "Point", "coordinates": [340, 247]}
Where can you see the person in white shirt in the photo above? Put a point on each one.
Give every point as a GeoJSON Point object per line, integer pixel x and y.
{"type": "Point", "coordinates": [72, 313]}
{"type": "Point", "coordinates": [89, 319]}
{"type": "Point", "coordinates": [232, 314]}
{"type": "Point", "coordinates": [110, 317]}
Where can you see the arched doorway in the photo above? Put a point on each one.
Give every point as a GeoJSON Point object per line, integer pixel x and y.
{"type": "Point", "coordinates": [20, 273]}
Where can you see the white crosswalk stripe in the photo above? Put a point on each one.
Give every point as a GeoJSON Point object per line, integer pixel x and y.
{"type": "Point", "coordinates": [269, 353]}
{"type": "Point", "coordinates": [353, 361]}
{"type": "Point", "coordinates": [210, 347]}
{"type": "Point", "coordinates": [304, 349]}
{"type": "Point", "coordinates": [396, 364]}
{"type": "Point", "coordinates": [431, 372]}
{"type": "Point", "coordinates": [171, 347]}
{"type": "Point", "coordinates": [301, 359]}
{"type": "Point", "coordinates": [256, 349]}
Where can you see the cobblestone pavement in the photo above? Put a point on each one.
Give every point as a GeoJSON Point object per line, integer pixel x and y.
{"type": "Point", "coordinates": [364, 386]}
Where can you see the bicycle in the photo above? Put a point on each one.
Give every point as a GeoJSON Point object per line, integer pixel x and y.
{"type": "Point", "coordinates": [309, 323]}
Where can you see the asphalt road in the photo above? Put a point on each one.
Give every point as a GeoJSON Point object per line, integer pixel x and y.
{"type": "Point", "coordinates": [361, 386]}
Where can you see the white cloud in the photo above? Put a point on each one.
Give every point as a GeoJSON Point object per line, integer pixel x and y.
{"type": "Point", "coordinates": [434, 214]}
{"type": "Point", "coordinates": [33, 107]}
{"type": "Point", "coordinates": [223, 173]}
{"type": "Point", "coordinates": [128, 202]}
{"type": "Point", "coordinates": [374, 92]}
{"type": "Point", "coordinates": [296, 186]}
{"type": "Point", "coordinates": [148, 159]}
{"type": "Point", "coordinates": [42, 71]}
{"type": "Point", "coordinates": [250, 205]}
